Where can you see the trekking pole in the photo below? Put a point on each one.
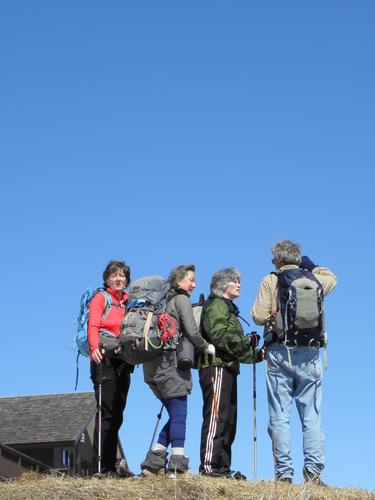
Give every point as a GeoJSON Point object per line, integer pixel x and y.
{"type": "Point", "coordinates": [255, 413]}
{"type": "Point", "coordinates": [274, 460]}
{"type": "Point", "coordinates": [214, 400]}
{"type": "Point", "coordinates": [156, 426]}
{"type": "Point", "coordinates": [254, 342]}
{"type": "Point", "coordinates": [100, 415]}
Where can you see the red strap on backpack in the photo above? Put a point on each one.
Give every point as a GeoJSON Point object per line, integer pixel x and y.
{"type": "Point", "coordinates": [167, 326]}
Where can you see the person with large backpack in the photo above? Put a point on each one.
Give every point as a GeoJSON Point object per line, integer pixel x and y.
{"type": "Point", "coordinates": [218, 374]}
{"type": "Point", "coordinates": [290, 306]}
{"type": "Point", "coordinates": [171, 383]}
{"type": "Point", "coordinates": [110, 374]}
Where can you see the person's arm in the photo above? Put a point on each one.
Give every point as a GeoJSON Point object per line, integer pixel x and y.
{"type": "Point", "coordinates": [187, 322]}
{"type": "Point", "coordinates": [262, 308]}
{"type": "Point", "coordinates": [324, 275]}
{"type": "Point", "coordinates": [96, 310]}
{"type": "Point", "coordinates": [326, 278]}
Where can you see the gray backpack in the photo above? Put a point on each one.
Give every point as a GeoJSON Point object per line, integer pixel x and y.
{"type": "Point", "coordinates": [146, 327]}
{"type": "Point", "coordinates": [300, 320]}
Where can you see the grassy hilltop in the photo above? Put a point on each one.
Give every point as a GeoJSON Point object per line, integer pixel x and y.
{"type": "Point", "coordinates": [53, 487]}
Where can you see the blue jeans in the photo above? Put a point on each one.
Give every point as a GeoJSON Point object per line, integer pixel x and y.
{"type": "Point", "coordinates": [295, 373]}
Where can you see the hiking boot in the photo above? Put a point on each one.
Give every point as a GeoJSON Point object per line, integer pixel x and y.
{"type": "Point", "coordinates": [107, 474]}
{"type": "Point", "coordinates": [237, 475]}
{"type": "Point", "coordinates": [213, 474]}
{"type": "Point", "coordinates": [178, 463]}
{"type": "Point", "coordinates": [311, 477]}
{"type": "Point", "coordinates": [285, 479]}
{"type": "Point", "coordinates": [154, 462]}
{"type": "Point", "coordinates": [225, 475]}
{"type": "Point", "coordinates": [124, 472]}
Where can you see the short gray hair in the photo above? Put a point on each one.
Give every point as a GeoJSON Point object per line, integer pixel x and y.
{"type": "Point", "coordinates": [178, 273]}
{"type": "Point", "coordinates": [221, 279]}
{"type": "Point", "coordinates": [287, 252]}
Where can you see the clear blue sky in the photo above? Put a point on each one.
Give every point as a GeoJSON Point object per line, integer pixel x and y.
{"type": "Point", "coordinates": [173, 132]}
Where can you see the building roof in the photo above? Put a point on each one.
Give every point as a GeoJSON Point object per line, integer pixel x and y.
{"type": "Point", "coordinates": [15, 455]}
{"type": "Point", "coordinates": [45, 418]}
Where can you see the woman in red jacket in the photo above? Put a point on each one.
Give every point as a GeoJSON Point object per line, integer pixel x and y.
{"type": "Point", "coordinates": [106, 312]}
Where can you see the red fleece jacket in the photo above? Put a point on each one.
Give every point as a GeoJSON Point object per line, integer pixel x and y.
{"type": "Point", "coordinates": [111, 323]}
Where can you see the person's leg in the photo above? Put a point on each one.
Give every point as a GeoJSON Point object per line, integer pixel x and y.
{"type": "Point", "coordinates": [104, 378]}
{"type": "Point", "coordinates": [208, 415]}
{"type": "Point", "coordinates": [218, 431]}
{"type": "Point", "coordinates": [164, 437]}
{"type": "Point", "coordinates": [120, 395]}
{"type": "Point", "coordinates": [308, 396]}
{"type": "Point", "coordinates": [177, 410]}
{"type": "Point", "coordinates": [123, 377]}
{"type": "Point", "coordinates": [279, 380]}
{"type": "Point", "coordinates": [230, 412]}
{"type": "Point", "coordinates": [172, 433]}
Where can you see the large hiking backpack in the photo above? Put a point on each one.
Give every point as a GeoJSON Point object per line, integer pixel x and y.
{"type": "Point", "coordinates": [146, 327]}
{"type": "Point", "coordinates": [300, 319]}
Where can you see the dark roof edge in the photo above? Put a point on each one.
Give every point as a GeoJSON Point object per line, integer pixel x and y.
{"type": "Point", "coordinates": [23, 455]}
{"type": "Point", "coordinates": [49, 394]}
{"type": "Point", "coordinates": [83, 429]}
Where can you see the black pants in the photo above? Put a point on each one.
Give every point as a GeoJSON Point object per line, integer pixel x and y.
{"type": "Point", "coordinates": [218, 435]}
{"type": "Point", "coordinates": [114, 376]}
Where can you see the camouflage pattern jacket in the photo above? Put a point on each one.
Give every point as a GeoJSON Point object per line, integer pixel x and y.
{"type": "Point", "coordinates": [222, 328]}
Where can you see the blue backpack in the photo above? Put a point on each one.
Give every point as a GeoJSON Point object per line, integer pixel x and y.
{"type": "Point", "coordinates": [80, 339]}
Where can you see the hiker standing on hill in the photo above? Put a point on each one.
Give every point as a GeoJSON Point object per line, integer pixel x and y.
{"type": "Point", "coordinates": [170, 384]}
{"type": "Point", "coordinates": [218, 374]}
{"type": "Point", "coordinates": [290, 305]}
{"type": "Point", "coordinates": [108, 370]}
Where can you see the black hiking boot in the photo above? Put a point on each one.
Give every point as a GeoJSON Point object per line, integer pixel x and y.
{"type": "Point", "coordinates": [238, 476]}
{"type": "Point", "coordinates": [225, 475]}
{"type": "Point", "coordinates": [285, 480]}
{"type": "Point", "coordinates": [311, 477]}
{"type": "Point", "coordinates": [178, 464]}
{"type": "Point", "coordinates": [154, 463]}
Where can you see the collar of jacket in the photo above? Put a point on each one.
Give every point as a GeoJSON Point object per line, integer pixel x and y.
{"type": "Point", "coordinates": [114, 295]}
{"type": "Point", "coordinates": [285, 267]}
{"type": "Point", "coordinates": [231, 305]}
{"type": "Point", "coordinates": [180, 291]}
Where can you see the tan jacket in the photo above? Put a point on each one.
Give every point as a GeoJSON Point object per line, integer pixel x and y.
{"type": "Point", "coordinates": [266, 303]}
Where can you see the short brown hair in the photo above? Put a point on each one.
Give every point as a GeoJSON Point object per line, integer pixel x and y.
{"type": "Point", "coordinates": [114, 265]}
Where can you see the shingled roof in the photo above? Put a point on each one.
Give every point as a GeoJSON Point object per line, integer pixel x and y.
{"type": "Point", "coordinates": [45, 418]}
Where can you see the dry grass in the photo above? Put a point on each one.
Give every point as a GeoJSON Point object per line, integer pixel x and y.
{"type": "Point", "coordinates": [51, 487]}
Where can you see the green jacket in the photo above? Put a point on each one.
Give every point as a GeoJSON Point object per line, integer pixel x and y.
{"type": "Point", "coordinates": [221, 327]}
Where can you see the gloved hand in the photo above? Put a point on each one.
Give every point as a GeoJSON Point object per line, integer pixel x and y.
{"type": "Point", "coordinates": [254, 339]}
{"type": "Point", "coordinates": [210, 350]}
{"type": "Point", "coordinates": [261, 354]}
{"type": "Point", "coordinates": [307, 263]}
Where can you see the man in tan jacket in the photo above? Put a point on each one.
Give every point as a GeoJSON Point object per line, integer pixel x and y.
{"type": "Point", "coordinates": [293, 365]}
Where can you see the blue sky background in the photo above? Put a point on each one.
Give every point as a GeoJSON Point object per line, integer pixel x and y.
{"type": "Point", "coordinates": [174, 132]}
